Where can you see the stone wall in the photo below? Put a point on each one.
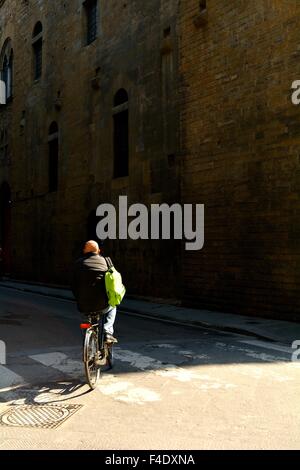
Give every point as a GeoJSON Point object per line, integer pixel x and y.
{"type": "Point", "coordinates": [136, 49]}
{"type": "Point", "coordinates": [211, 121]}
{"type": "Point", "coordinates": [241, 145]}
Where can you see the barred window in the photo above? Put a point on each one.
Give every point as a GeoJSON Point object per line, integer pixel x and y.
{"type": "Point", "coordinates": [37, 44]}
{"type": "Point", "coordinates": [6, 68]}
{"type": "Point", "coordinates": [91, 11]}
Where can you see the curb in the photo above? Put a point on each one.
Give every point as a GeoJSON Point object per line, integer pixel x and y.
{"type": "Point", "coordinates": [162, 318]}
{"type": "Point", "coordinates": [45, 294]}
{"type": "Point", "coordinates": [199, 324]}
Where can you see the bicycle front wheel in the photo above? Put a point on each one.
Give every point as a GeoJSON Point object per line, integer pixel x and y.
{"type": "Point", "coordinates": [90, 355]}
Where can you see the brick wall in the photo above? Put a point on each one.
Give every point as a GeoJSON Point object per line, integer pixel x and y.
{"type": "Point", "coordinates": [77, 90]}
{"type": "Point", "coordinates": [226, 137]}
{"type": "Point", "coordinates": [241, 144]}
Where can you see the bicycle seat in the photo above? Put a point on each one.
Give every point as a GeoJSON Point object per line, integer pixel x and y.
{"type": "Point", "coordinates": [93, 316]}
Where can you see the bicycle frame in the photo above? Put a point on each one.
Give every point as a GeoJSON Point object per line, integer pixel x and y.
{"type": "Point", "coordinates": [97, 326]}
{"type": "Point", "coordinates": [93, 325]}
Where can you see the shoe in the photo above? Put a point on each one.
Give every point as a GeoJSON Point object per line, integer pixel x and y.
{"type": "Point", "coordinates": [110, 338]}
{"type": "Point", "coordinates": [99, 360]}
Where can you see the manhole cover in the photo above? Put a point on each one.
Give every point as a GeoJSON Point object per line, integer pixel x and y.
{"type": "Point", "coordinates": [38, 416]}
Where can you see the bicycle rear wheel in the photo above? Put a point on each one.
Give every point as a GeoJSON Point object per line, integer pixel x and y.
{"type": "Point", "coordinates": [90, 354]}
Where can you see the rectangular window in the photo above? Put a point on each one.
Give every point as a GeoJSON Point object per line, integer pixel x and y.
{"type": "Point", "coordinates": [91, 9]}
{"type": "Point", "coordinates": [38, 58]}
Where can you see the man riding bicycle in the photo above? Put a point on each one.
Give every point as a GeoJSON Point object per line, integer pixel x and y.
{"type": "Point", "coordinates": [88, 287]}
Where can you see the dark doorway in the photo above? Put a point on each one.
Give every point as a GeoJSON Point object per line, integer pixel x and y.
{"type": "Point", "coordinates": [91, 226]}
{"type": "Point", "coordinates": [5, 227]}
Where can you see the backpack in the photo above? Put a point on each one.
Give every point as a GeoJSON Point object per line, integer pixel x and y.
{"type": "Point", "coordinates": [114, 286]}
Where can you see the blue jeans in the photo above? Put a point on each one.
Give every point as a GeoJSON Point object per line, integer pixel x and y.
{"type": "Point", "coordinates": [110, 319]}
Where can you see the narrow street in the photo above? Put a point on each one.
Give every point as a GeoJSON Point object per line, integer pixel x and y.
{"type": "Point", "coordinates": [172, 387]}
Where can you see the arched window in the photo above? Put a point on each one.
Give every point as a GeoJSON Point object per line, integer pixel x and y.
{"type": "Point", "coordinates": [121, 134]}
{"type": "Point", "coordinates": [6, 68]}
{"type": "Point", "coordinates": [53, 129]}
{"type": "Point", "coordinates": [202, 5]}
{"type": "Point", "coordinates": [38, 29]}
{"type": "Point", "coordinates": [53, 157]}
{"type": "Point", "coordinates": [121, 97]}
{"type": "Point", "coordinates": [37, 45]}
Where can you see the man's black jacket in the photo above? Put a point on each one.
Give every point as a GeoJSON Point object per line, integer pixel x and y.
{"type": "Point", "coordinates": [88, 283]}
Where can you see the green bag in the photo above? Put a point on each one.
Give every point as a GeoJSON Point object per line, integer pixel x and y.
{"type": "Point", "coordinates": [115, 288]}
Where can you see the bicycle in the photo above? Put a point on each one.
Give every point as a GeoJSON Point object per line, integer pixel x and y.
{"type": "Point", "coordinates": [96, 351]}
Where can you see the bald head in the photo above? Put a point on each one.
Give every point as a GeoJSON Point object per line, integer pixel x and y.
{"type": "Point", "coordinates": [91, 247]}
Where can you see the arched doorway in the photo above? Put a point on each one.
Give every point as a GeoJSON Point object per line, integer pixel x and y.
{"type": "Point", "coordinates": [5, 226]}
